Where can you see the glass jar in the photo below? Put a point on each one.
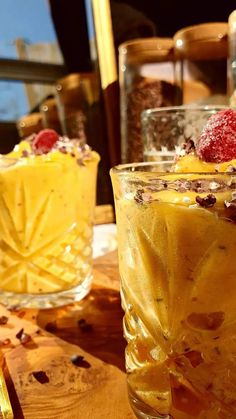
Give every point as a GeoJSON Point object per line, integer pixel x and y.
{"type": "Point", "coordinates": [202, 50]}
{"type": "Point", "coordinates": [81, 115]}
{"type": "Point", "coordinates": [149, 77]}
{"type": "Point", "coordinates": [50, 117]}
{"type": "Point", "coordinates": [75, 95]}
{"type": "Point", "coordinates": [29, 124]}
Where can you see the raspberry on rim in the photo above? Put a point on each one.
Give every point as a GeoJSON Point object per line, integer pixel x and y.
{"type": "Point", "coordinates": [45, 140]}
{"type": "Point", "coordinates": [217, 142]}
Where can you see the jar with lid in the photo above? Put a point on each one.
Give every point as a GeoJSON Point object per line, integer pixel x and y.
{"type": "Point", "coordinates": [82, 116]}
{"type": "Point", "coordinates": [203, 50]}
{"type": "Point", "coordinates": [29, 124]}
{"type": "Point", "coordinates": [50, 117]}
{"type": "Point", "coordinates": [75, 95]}
{"type": "Point", "coordinates": [149, 77]}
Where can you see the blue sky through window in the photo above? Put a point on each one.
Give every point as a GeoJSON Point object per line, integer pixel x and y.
{"type": "Point", "coordinates": [30, 20]}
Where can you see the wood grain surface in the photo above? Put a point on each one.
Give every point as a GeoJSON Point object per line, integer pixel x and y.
{"type": "Point", "coordinates": [93, 387]}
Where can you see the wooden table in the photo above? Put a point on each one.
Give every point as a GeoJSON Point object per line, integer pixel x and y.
{"type": "Point", "coordinates": [93, 387]}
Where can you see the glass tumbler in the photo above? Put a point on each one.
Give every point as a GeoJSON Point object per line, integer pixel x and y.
{"type": "Point", "coordinates": [165, 130]}
{"type": "Point", "coordinates": [46, 224]}
{"type": "Point", "coordinates": [178, 290]}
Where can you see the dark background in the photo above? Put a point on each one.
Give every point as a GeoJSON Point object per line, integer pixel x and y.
{"type": "Point", "coordinates": [131, 19]}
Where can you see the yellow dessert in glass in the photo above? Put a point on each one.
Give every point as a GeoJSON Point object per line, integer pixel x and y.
{"type": "Point", "coordinates": [47, 200]}
{"type": "Point", "coordinates": [177, 244]}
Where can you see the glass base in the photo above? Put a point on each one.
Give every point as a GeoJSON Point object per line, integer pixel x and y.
{"type": "Point", "coordinates": [143, 411]}
{"type": "Point", "coordinates": [50, 300]}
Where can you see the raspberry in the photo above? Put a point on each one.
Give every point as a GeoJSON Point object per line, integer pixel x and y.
{"type": "Point", "coordinates": [217, 142]}
{"type": "Point", "coordinates": [45, 140]}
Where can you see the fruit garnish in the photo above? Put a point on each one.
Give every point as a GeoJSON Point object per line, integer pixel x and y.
{"type": "Point", "coordinates": [45, 140]}
{"type": "Point", "coordinates": [217, 142]}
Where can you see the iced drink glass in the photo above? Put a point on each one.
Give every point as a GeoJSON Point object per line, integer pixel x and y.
{"type": "Point", "coordinates": [165, 130]}
{"type": "Point", "coordinates": [177, 247]}
{"type": "Point", "coordinates": [46, 223]}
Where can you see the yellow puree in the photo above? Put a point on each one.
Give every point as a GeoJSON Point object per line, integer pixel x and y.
{"type": "Point", "coordinates": [46, 206]}
{"type": "Point", "coordinates": [176, 302]}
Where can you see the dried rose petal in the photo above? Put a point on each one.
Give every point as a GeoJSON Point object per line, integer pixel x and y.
{"type": "Point", "coordinates": [3, 320]}
{"type": "Point", "coordinates": [138, 197]}
{"type": "Point", "coordinates": [14, 309]}
{"type": "Point", "coordinates": [23, 337]}
{"type": "Point", "coordinates": [6, 343]}
{"type": "Point", "coordinates": [79, 361]}
{"type": "Point", "coordinates": [21, 314]}
{"type": "Point", "coordinates": [80, 161]}
{"type": "Point", "coordinates": [20, 333]}
{"type": "Point", "coordinates": [41, 377]}
{"type": "Point", "coordinates": [231, 169]}
{"type": "Point", "coordinates": [25, 153]}
{"type": "Point", "coordinates": [206, 202]}
{"type": "Point", "coordinates": [230, 204]}
{"type": "Point", "coordinates": [189, 146]}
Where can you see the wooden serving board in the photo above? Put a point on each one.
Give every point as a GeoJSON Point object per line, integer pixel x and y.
{"type": "Point", "coordinates": [95, 388]}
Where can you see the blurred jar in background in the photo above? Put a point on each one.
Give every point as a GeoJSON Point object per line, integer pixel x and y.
{"type": "Point", "coordinates": [50, 117]}
{"type": "Point", "coordinates": [149, 77]}
{"type": "Point", "coordinates": [76, 93]}
{"type": "Point", "coordinates": [203, 50]}
{"type": "Point", "coordinates": [29, 124]}
{"type": "Point", "coordinates": [82, 116]}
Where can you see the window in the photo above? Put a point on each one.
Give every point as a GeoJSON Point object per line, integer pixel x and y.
{"type": "Point", "coordinates": [30, 59]}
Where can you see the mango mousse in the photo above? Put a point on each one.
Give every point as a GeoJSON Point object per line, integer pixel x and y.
{"type": "Point", "coordinates": [177, 235]}
{"type": "Point", "coordinates": [47, 198]}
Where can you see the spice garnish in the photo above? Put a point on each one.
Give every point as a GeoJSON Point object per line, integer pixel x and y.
{"type": "Point", "coordinates": [3, 320]}
{"type": "Point", "coordinates": [206, 202]}
{"type": "Point", "coordinates": [79, 361]}
{"type": "Point", "coordinates": [41, 377]}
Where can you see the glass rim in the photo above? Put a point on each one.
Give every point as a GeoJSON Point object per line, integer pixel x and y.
{"type": "Point", "coordinates": [130, 168]}
{"type": "Point", "coordinates": [170, 109]}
